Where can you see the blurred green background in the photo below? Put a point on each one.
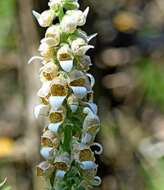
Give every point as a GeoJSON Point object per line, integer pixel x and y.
{"type": "Point", "coordinates": [128, 67]}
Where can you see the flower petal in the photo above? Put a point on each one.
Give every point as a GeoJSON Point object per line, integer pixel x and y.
{"type": "Point", "coordinates": [92, 79]}
{"type": "Point", "coordinates": [60, 173]}
{"type": "Point", "coordinates": [35, 58]}
{"type": "Point", "coordinates": [79, 91]}
{"type": "Point", "coordinates": [56, 101]}
{"type": "Point", "coordinates": [86, 138]}
{"type": "Point", "coordinates": [88, 165]}
{"type": "Point", "coordinates": [36, 14]}
{"type": "Point", "coordinates": [41, 110]}
{"type": "Point", "coordinates": [45, 152]}
{"type": "Point", "coordinates": [91, 37]}
{"type": "Point", "coordinates": [54, 127]}
{"type": "Point", "coordinates": [66, 65]}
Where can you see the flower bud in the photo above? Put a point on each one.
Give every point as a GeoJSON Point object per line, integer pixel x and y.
{"type": "Point", "coordinates": [80, 47]}
{"type": "Point", "coordinates": [55, 4]}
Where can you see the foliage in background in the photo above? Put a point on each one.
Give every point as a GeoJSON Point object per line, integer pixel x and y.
{"type": "Point", "coordinates": [150, 74]}
{"type": "Point", "coordinates": [7, 20]}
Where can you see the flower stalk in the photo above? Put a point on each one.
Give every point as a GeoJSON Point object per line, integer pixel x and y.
{"type": "Point", "coordinates": [66, 99]}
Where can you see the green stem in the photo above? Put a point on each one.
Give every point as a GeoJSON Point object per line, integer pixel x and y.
{"type": "Point", "coordinates": [67, 138]}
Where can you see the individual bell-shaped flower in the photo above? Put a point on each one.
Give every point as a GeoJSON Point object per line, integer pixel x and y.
{"type": "Point", "coordinates": [56, 116]}
{"type": "Point", "coordinates": [53, 31]}
{"type": "Point", "coordinates": [46, 152]}
{"type": "Point", "coordinates": [73, 103]}
{"type": "Point", "coordinates": [59, 87]}
{"type": "Point", "coordinates": [65, 58]}
{"type": "Point", "coordinates": [77, 84]}
{"type": "Point", "coordinates": [79, 16]}
{"type": "Point", "coordinates": [84, 63]}
{"type": "Point", "coordinates": [46, 51]}
{"type": "Point", "coordinates": [50, 139]}
{"type": "Point", "coordinates": [41, 110]}
{"type": "Point", "coordinates": [59, 91]}
{"type": "Point", "coordinates": [44, 168]}
{"type": "Point", "coordinates": [91, 122]}
{"type": "Point", "coordinates": [62, 162]}
{"type": "Point", "coordinates": [44, 92]}
{"type": "Point", "coordinates": [68, 24]}
{"type": "Point", "coordinates": [80, 47]}
{"type": "Point", "coordinates": [52, 36]}
{"type": "Point", "coordinates": [46, 18]}
{"type": "Point", "coordinates": [82, 152]}
{"type": "Point", "coordinates": [48, 71]}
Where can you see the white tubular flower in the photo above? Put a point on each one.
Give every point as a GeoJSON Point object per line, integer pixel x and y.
{"type": "Point", "coordinates": [41, 110]}
{"type": "Point", "coordinates": [46, 51]}
{"type": "Point", "coordinates": [80, 47]}
{"type": "Point", "coordinates": [44, 168]}
{"type": "Point", "coordinates": [50, 139]}
{"type": "Point", "coordinates": [79, 16]}
{"type": "Point", "coordinates": [62, 162]}
{"type": "Point", "coordinates": [46, 18]}
{"type": "Point", "coordinates": [64, 56]}
{"type": "Point", "coordinates": [73, 103]}
{"type": "Point", "coordinates": [68, 24]}
{"type": "Point", "coordinates": [92, 122]}
{"type": "Point", "coordinates": [56, 116]}
{"type": "Point", "coordinates": [48, 72]}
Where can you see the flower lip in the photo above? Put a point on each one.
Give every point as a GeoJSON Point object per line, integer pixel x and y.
{"type": "Point", "coordinates": [60, 174]}
{"type": "Point", "coordinates": [46, 152]}
{"type": "Point", "coordinates": [66, 65]}
{"type": "Point", "coordinates": [56, 101]}
{"type": "Point", "coordinates": [88, 165]}
{"type": "Point", "coordinates": [79, 91]}
{"type": "Point", "coordinates": [54, 127]}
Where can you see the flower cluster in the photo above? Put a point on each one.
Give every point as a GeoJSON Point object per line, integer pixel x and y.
{"type": "Point", "coordinates": [66, 99]}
